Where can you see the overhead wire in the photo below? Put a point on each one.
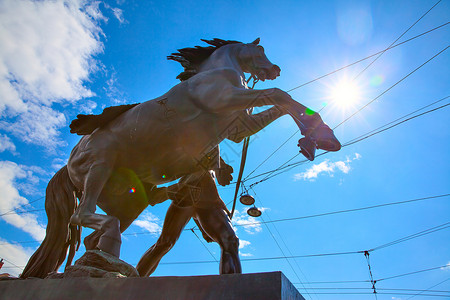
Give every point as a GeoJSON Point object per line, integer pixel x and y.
{"type": "Point", "coordinates": [377, 280]}
{"type": "Point", "coordinates": [413, 236]}
{"type": "Point", "coordinates": [381, 52]}
{"type": "Point", "coordinates": [304, 84]}
{"type": "Point", "coordinates": [391, 87]}
{"type": "Point", "coordinates": [365, 58]}
{"type": "Point", "coordinates": [381, 293]}
{"type": "Point", "coordinates": [14, 209]}
{"type": "Point", "coordinates": [279, 247]}
{"type": "Point", "coordinates": [417, 21]}
{"type": "Point", "coordinates": [398, 119]}
{"type": "Point", "coordinates": [284, 168]}
{"type": "Point", "coordinates": [380, 289]}
{"type": "Point", "coordinates": [429, 289]}
{"type": "Point", "coordinates": [428, 231]}
{"type": "Point", "coordinates": [10, 262]}
{"type": "Point", "coordinates": [210, 253]}
{"type": "Point", "coordinates": [340, 69]}
{"type": "Point", "coordinates": [320, 214]}
{"type": "Point", "coordinates": [412, 273]}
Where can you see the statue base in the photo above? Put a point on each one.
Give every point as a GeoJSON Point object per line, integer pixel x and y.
{"type": "Point", "coordinates": [273, 285]}
{"type": "Point", "coordinates": [98, 264]}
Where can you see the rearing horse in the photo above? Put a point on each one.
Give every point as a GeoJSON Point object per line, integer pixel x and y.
{"type": "Point", "coordinates": [161, 140]}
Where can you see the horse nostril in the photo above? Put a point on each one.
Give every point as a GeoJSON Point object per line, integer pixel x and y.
{"type": "Point", "coordinates": [276, 69]}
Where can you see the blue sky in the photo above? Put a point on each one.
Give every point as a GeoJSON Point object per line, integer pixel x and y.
{"type": "Point", "coordinates": [62, 58]}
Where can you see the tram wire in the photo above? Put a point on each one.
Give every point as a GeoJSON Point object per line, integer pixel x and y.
{"type": "Point", "coordinates": [335, 71]}
{"type": "Point", "coordinates": [284, 168]}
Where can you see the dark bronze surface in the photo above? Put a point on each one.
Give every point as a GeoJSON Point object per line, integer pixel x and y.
{"type": "Point", "coordinates": [130, 150]}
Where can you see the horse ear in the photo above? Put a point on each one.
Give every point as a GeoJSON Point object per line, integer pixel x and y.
{"type": "Point", "coordinates": [256, 42]}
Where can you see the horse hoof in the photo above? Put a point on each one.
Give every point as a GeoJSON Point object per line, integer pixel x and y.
{"type": "Point", "coordinates": [325, 139]}
{"type": "Point", "coordinates": [307, 148]}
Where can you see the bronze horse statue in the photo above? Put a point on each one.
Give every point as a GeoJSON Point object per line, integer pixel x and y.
{"type": "Point", "coordinates": [118, 165]}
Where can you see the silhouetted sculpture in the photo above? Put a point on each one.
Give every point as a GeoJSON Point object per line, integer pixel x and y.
{"type": "Point", "coordinates": [118, 165]}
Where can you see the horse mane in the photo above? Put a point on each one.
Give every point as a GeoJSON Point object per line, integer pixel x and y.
{"type": "Point", "coordinates": [191, 58]}
{"type": "Point", "coordinates": [86, 124]}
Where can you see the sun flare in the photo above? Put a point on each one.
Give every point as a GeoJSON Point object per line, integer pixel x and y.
{"type": "Point", "coordinates": [345, 93]}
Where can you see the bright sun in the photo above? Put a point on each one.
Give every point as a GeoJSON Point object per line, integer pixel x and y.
{"type": "Point", "coordinates": [345, 93]}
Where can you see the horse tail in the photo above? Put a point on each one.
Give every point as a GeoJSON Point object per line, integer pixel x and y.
{"type": "Point", "coordinates": [60, 204]}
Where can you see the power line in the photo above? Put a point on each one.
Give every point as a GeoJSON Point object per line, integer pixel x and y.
{"type": "Point", "coordinates": [345, 210]}
{"type": "Point", "coordinates": [332, 254]}
{"type": "Point", "coordinates": [378, 53]}
{"type": "Point", "coordinates": [20, 243]}
{"type": "Point", "coordinates": [363, 107]}
{"type": "Point", "coordinates": [210, 253]}
{"type": "Point", "coordinates": [380, 289]}
{"type": "Point", "coordinates": [408, 119]}
{"type": "Point", "coordinates": [392, 86]}
{"type": "Point", "coordinates": [413, 236]}
{"type": "Point", "coordinates": [12, 210]}
{"type": "Point", "coordinates": [366, 255]}
{"type": "Point", "coordinates": [12, 264]}
{"type": "Point", "coordinates": [354, 141]}
{"type": "Point", "coordinates": [318, 215]}
{"type": "Point", "coordinates": [376, 58]}
{"type": "Point", "coordinates": [363, 59]}
{"type": "Point", "coordinates": [273, 152]}
{"type": "Point", "coordinates": [412, 273]}
{"type": "Point", "coordinates": [382, 293]}
{"type": "Point", "coordinates": [265, 258]}
{"type": "Point", "coordinates": [284, 168]}
{"type": "Point", "coordinates": [279, 247]}
{"type": "Point", "coordinates": [378, 280]}
{"type": "Point", "coordinates": [428, 290]}
{"type": "Point", "coordinates": [396, 120]}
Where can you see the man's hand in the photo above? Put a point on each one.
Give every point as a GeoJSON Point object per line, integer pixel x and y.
{"type": "Point", "coordinates": [157, 195]}
{"type": "Point", "coordinates": [224, 174]}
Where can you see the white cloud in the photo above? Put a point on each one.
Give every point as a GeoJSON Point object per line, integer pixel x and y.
{"type": "Point", "coordinates": [326, 167]}
{"type": "Point", "coordinates": [149, 222]}
{"type": "Point", "coordinates": [245, 254]}
{"type": "Point", "coordinates": [10, 174]}
{"type": "Point", "coordinates": [87, 107]}
{"type": "Point", "coordinates": [118, 13]}
{"type": "Point", "coordinates": [47, 54]}
{"type": "Point", "coordinates": [58, 163]}
{"type": "Point", "coordinates": [250, 224]}
{"type": "Point", "coordinates": [6, 144]}
{"type": "Point", "coordinates": [447, 267]}
{"type": "Point", "coordinates": [115, 95]}
{"type": "Point", "coordinates": [243, 243]}
{"type": "Point", "coordinates": [15, 256]}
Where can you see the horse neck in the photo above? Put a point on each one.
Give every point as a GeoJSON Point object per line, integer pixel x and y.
{"type": "Point", "coordinates": [224, 57]}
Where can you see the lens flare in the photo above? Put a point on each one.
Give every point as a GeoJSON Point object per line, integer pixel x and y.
{"type": "Point", "coordinates": [345, 93]}
{"type": "Point", "coordinates": [309, 111]}
{"type": "Point", "coordinates": [132, 190]}
{"type": "Point", "coordinates": [376, 80]}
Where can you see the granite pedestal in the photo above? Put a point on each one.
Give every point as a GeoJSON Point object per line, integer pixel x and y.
{"type": "Point", "coordinates": [272, 285]}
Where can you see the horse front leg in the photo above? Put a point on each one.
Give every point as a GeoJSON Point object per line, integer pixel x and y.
{"type": "Point", "coordinates": [317, 133]}
{"type": "Point", "coordinates": [252, 124]}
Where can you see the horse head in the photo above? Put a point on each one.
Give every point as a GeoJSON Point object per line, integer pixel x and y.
{"type": "Point", "coordinates": [253, 60]}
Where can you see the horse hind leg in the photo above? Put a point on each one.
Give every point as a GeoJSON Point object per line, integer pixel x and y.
{"type": "Point", "coordinates": [85, 215]}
